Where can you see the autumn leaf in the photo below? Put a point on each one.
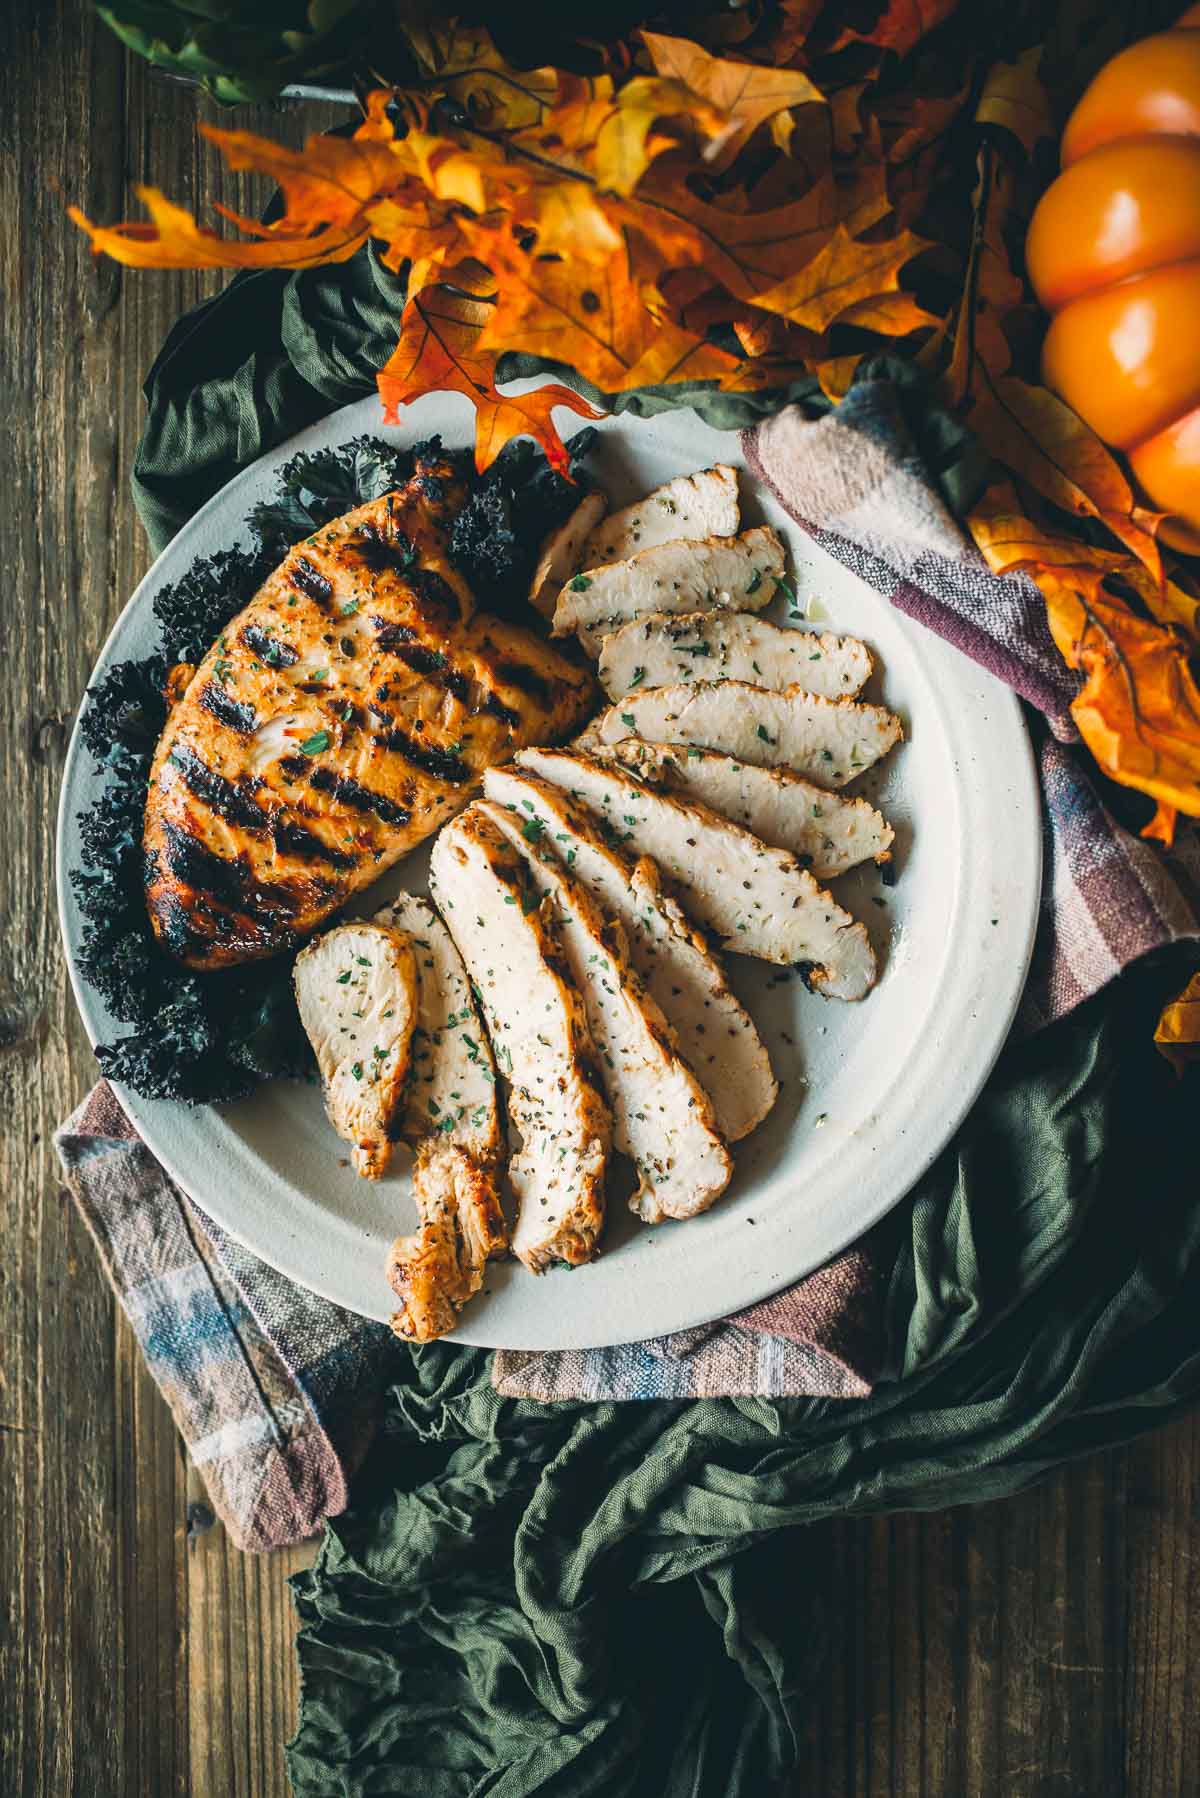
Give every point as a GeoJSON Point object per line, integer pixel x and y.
{"type": "Point", "coordinates": [1139, 708]}
{"type": "Point", "coordinates": [901, 24]}
{"type": "Point", "coordinates": [441, 347]}
{"type": "Point", "coordinates": [1049, 446]}
{"type": "Point", "coordinates": [842, 274]}
{"type": "Point", "coordinates": [628, 141]}
{"type": "Point", "coordinates": [463, 63]}
{"type": "Point", "coordinates": [746, 92]}
{"type": "Point", "coordinates": [1177, 1035]}
{"type": "Point", "coordinates": [1013, 96]}
{"type": "Point", "coordinates": [889, 314]}
{"type": "Point", "coordinates": [749, 252]}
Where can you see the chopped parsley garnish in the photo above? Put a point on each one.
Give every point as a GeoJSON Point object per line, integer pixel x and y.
{"type": "Point", "coordinates": [357, 1070]}
{"type": "Point", "coordinates": [344, 979]}
{"type": "Point", "coordinates": [756, 583]}
{"type": "Point", "coordinates": [763, 734]}
{"type": "Point", "coordinates": [639, 675]}
{"type": "Point", "coordinates": [316, 743]}
{"type": "Point", "coordinates": [349, 609]}
{"type": "Point", "coordinates": [628, 719]}
{"type": "Point", "coordinates": [532, 829]}
{"type": "Point", "coordinates": [580, 584]}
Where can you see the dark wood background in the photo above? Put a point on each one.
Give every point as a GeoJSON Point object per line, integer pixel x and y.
{"type": "Point", "coordinates": [1035, 1649]}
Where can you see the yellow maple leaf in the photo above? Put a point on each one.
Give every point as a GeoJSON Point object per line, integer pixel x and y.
{"type": "Point", "coordinates": [842, 274]}
{"type": "Point", "coordinates": [746, 92]}
{"type": "Point", "coordinates": [1177, 1035]}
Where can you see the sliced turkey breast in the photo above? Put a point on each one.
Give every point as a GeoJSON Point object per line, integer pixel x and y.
{"type": "Point", "coordinates": [661, 651]}
{"type": "Point", "coordinates": [759, 901]}
{"type": "Point", "coordinates": [662, 1116]}
{"type": "Point", "coordinates": [821, 829]}
{"type": "Point", "coordinates": [451, 1088]}
{"type": "Point", "coordinates": [715, 1034]}
{"type": "Point", "coordinates": [831, 741]}
{"type": "Point", "coordinates": [356, 991]}
{"type": "Point", "coordinates": [692, 505]}
{"type": "Point", "coordinates": [561, 554]}
{"type": "Point", "coordinates": [441, 1266]}
{"type": "Point", "coordinates": [712, 574]}
{"type": "Point", "coordinates": [503, 925]}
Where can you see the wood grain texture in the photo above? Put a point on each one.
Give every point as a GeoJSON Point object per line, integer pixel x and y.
{"type": "Point", "coordinates": [1033, 1649]}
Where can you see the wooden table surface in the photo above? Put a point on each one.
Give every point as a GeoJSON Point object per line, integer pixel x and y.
{"type": "Point", "coordinates": [1036, 1648]}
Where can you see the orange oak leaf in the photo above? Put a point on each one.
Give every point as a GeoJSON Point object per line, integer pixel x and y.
{"type": "Point", "coordinates": [173, 239]}
{"type": "Point", "coordinates": [1161, 828]}
{"type": "Point", "coordinates": [1177, 1034]}
{"type": "Point", "coordinates": [839, 276]}
{"type": "Point", "coordinates": [890, 314]}
{"type": "Point", "coordinates": [628, 141]}
{"type": "Point", "coordinates": [1046, 444]}
{"type": "Point", "coordinates": [749, 93]}
{"type": "Point", "coordinates": [1139, 708]}
{"type": "Point", "coordinates": [749, 252]}
{"type": "Point", "coordinates": [441, 346]}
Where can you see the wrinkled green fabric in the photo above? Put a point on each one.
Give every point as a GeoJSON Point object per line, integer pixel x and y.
{"type": "Point", "coordinates": [603, 1599]}
{"type": "Point", "coordinates": [611, 1599]}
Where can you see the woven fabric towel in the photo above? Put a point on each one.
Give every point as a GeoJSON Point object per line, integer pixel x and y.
{"type": "Point", "coordinates": [272, 1387]}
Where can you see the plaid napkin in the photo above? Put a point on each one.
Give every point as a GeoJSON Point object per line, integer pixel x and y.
{"type": "Point", "coordinates": [273, 1388]}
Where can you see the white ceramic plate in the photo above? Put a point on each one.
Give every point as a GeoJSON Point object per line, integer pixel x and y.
{"type": "Point", "coordinates": [870, 1092]}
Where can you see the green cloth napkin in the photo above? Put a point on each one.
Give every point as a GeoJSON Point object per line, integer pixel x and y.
{"type": "Point", "coordinates": [609, 1599]}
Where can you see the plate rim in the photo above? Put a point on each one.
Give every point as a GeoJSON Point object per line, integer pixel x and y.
{"type": "Point", "coordinates": [856, 1221]}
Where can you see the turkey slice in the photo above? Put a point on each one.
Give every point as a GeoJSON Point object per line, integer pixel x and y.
{"type": "Point", "coordinates": [503, 925]}
{"type": "Point", "coordinates": [713, 574]}
{"type": "Point", "coordinates": [661, 651]}
{"type": "Point", "coordinates": [461, 1227]}
{"type": "Point", "coordinates": [716, 1035]}
{"type": "Point", "coordinates": [759, 901]}
{"type": "Point", "coordinates": [832, 741]}
{"type": "Point", "coordinates": [692, 505]}
{"type": "Point", "coordinates": [452, 1083]}
{"type": "Point", "coordinates": [356, 993]}
{"type": "Point", "coordinates": [823, 830]}
{"type": "Point", "coordinates": [662, 1116]}
{"type": "Point", "coordinates": [561, 554]}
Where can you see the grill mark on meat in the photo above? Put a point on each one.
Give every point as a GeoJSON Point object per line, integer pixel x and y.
{"type": "Point", "coordinates": [493, 703]}
{"type": "Point", "coordinates": [383, 552]}
{"type": "Point", "coordinates": [388, 634]}
{"type": "Point", "coordinates": [293, 839]}
{"type": "Point", "coordinates": [294, 766]}
{"type": "Point", "coordinates": [435, 667]}
{"type": "Point", "coordinates": [233, 802]}
{"type": "Point", "coordinates": [443, 764]}
{"type": "Point", "coordinates": [434, 592]}
{"type": "Point", "coordinates": [229, 881]}
{"type": "Point", "coordinates": [526, 680]}
{"type": "Point", "coordinates": [311, 582]}
{"type": "Point", "coordinates": [230, 712]}
{"type": "Point", "coordinates": [359, 799]}
{"type": "Point", "coordinates": [268, 649]}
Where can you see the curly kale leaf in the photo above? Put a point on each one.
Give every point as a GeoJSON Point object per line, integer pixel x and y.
{"type": "Point", "coordinates": [195, 609]}
{"type": "Point", "coordinates": [319, 485]}
{"type": "Point", "coordinates": [495, 538]}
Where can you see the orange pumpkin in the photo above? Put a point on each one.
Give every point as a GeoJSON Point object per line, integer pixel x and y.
{"type": "Point", "coordinates": [1114, 254]}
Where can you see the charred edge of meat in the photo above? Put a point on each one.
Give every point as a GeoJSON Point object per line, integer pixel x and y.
{"type": "Point", "coordinates": [526, 680]}
{"type": "Point", "coordinates": [295, 767]}
{"type": "Point", "coordinates": [235, 804]}
{"type": "Point", "coordinates": [305, 845]}
{"type": "Point", "coordinates": [359, 799]}
{"type": "Point", "coordinates": [806, 970]}
{"type": "Point", "coordinates": [493, 704]}
{"type": "Point", "coordinates": [268, 649]}
{"type": "Point", "coordinates": [174, 923]}
{"type": "Point", "coordinates": [443, 764]}
{"type": "Point", "coordinates": [227, 881]}
{"type": "Point", "coordinates": [311, 582]}
{"type": "Point", "coordinates": [235, 716]}
{"type": "Point", "coordinates": [384, 552]}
